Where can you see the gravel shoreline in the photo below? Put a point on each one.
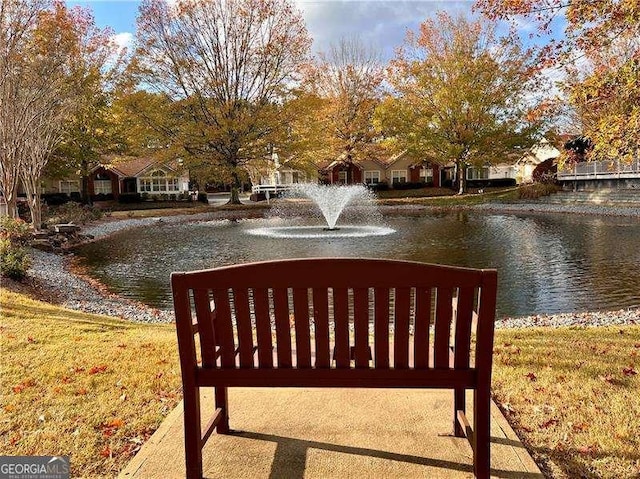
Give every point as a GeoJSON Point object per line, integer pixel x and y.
{"type": "Point", "coordinates": [50, 272]}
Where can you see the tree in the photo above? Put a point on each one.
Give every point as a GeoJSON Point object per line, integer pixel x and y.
{"type": "Point", "coordinates": [461, 94]}
{"type": "Point", "coordinates": [95, 126]}
{"type": "Point", "coordinates": [601, 53]}
{"type": "Point", "coordinates": [338, 101]}
{"type": "Point", "coordinates": [18, 19]}
{"type": "Point", "coordinates": [226, 66]}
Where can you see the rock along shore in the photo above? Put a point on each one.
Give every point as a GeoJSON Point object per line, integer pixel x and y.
{"type": "Point", "coordinates": [51, 273]}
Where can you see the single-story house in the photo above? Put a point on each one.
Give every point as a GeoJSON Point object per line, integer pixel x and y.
{"type": "Point", "coordinates": [126, 175]}
{"type": "Point", "coordinates": [537, 154]}
{"type": "Point", "coordinates": [398, 169]}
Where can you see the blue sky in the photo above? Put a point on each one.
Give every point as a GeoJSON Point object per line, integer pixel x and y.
{"type": "Point", "coordinates": [380, 23]}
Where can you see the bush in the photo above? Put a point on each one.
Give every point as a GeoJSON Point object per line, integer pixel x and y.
{"type": "Point", "coordinates": [382, 186]}
{"type": "Point", "coordinates": [73, 213]}
{"type": "Point", "coordinates": [17, 231]}
{"type": "Point", "coordinates": [537, 190]}
{"type": "Point", "coordinates": [408, 185]}
{"type": "Point", "coordinates": [14, 260]}
{"type": "Point", "coordinates": [202, 198]}
{"type": "Point", "coordinates": [54, 199]}
{"type": "Point", "coordinates": [127, 198]}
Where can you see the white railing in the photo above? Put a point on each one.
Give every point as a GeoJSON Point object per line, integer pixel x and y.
{"type": "Point", "coordinates": [271, 189]}
{"type": "Point", "coordinates": [591, 170]}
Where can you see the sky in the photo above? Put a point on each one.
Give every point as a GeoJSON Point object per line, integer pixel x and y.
{"type": "Point", "coordinates": [382, 24]}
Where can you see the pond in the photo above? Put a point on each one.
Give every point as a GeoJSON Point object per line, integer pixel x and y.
{"type": "Point", "coordinates": [546, 263]}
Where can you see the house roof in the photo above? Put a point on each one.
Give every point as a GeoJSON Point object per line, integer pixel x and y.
{"type": "Point", "coordinates": [132, 166]}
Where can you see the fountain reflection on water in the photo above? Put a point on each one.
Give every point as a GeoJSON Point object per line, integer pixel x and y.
{"type": "Point", "coordinates": [331, 201]}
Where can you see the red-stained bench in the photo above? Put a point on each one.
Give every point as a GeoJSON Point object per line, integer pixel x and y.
{"type": "Point", "coordinates": [423, 320]}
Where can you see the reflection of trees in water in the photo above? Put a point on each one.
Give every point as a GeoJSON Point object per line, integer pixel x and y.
{"type": "Point", "coordinates": [546, 263]}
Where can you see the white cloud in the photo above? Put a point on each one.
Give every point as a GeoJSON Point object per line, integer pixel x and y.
{"type": "Point", "coordinates": [382, 23]}
{"type": "Point", "coordinates": [123, 40]}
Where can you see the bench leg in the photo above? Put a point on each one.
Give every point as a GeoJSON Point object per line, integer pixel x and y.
{"type": "Point", "coordinates": [192, 433]}
{"type": "Point", "coordinates": [222, 403]}
{"type": "Point", "coordinates": [482, 434]}
{"type": "Point", "coordinates": [459, 404]}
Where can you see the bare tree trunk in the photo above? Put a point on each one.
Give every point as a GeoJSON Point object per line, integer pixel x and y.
{"type": "Point", "coordinates": [32, 188]}
{"type": "Point", "coordinates": [462, 183]}
{"type": "Point", "coordinates": [235, 189]}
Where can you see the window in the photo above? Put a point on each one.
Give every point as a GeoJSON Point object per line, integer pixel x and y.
{"type": "Point", "coordinates": [474, 173]}
{"type": "Point", "coordinates": [398, 176]}
{"type": "Point", "coordinates": [371, 177]}
{"type": "Point", "coordinates": [159, 182]}
{"type": "Point", "coordinates": [102, 187]}
{"type": "Point", "coordinates": [426, 175]}
{"type": "Point", "coordinates": [69, 186]}
{"type": "Point", "coordinates": [342, 177]}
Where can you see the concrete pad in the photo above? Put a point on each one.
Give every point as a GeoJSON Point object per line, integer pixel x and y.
{"type": "Point", "coordinates": [324, 433]}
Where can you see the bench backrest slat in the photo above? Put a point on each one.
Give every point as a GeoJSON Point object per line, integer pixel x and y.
{"type": "Point", "coordinates": [263, 327]}
{"type": "Point", "coordinates": [421, 328]}
{"type": "Point", "coordinates": [321, 320]}
{"type": "Point", "coordinates": [223, 327]}
{"type": "Point", "coordinates": [341, 310]}
{"type": "Point", "coordinates": [202, 302]}
{"type": "Point", "coordinates": [464, 318]}
{"type": "Point", "coordinates": [381, 328]}
{"type": "Point", "coordinates": [301, 315]}
{"type": "Point", "coordinates": [442, 327]}
{"type": "Point", "coordinates": [402, 319]}
{"type": "Point", "coordinates": [422, 316]}
{"type": "Point", "coordinates": [283, 327]}
{"type": "Point", "coordinates": [244, 326]}
{"type": "Point", "coordinates": [361, 327]}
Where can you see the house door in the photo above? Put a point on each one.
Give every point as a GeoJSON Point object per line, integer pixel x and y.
{"type": "Point", "coordinates": [129, 185]}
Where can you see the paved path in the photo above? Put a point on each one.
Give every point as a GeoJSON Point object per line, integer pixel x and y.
{"type": "Point", "coordinates": [327, 433]}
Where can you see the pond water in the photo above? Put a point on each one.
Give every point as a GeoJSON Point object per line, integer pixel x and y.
{"type": "Point", "coordinates": [545, 263]}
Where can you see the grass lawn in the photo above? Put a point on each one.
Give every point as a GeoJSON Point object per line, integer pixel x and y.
{"type": "Point", "coordinates": [77, 384]}
{"type": "Point", "coordinates": [573, 396]}
{"type": "Point", "coordinates": [95, 388]}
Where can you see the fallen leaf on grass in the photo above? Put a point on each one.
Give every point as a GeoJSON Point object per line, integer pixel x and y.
{"type": "Point", "coordinates": [550, 422]}
{"type": "Point", "coordinates": [27, 383]}
{"type": "Point", "coordinates": [630, 371]}
{"type": "Point", "coordinates": [531, 376]}
{"type": "Point", "coordinates": [106, 452]}
{"type": "Point", "coordinates": [608, 379]}
{"type": "Point", "coordinates": [588, 449]}
{"type": "Point", "coordinates": [98, 369]}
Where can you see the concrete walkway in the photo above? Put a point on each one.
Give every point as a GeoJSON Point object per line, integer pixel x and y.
{"type": "Point", "coordinates": [342, 433]}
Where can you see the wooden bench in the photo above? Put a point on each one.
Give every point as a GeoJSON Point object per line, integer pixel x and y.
{"type": "Point", "coordinates": [422, 320]}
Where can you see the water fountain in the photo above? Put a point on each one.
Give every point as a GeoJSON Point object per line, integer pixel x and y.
{"type": "Point", "coordinates": [331, 200]}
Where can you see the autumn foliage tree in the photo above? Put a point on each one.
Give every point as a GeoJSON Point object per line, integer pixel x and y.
{"type": "Point", "coordinates": [600, 52]}
{"type": "Point", "coordinates": [226, 66]}
{"type": "Point", "coordinates": [461, 94]}
{"type": "Point", "coordinates": [341, 92]}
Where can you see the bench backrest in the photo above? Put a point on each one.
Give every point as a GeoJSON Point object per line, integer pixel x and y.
{"type": "Point", "coordinates": [335, 313]}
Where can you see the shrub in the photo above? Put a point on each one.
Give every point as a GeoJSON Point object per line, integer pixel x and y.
{"type": "Point", "coordinates": [73, 213]}
{"type": "Point", "coordinates": [14, 260]}
{"type": "Point", "coordinates": [126, 198]}
{"type": "Point", "coordinates": [202, 198]}
{"type": "Point", "coordinates": [537, 190]}
{"type": "Point", "coordinates": [54, 199]}
{"type": "Point", "coordinates": [17, 231]}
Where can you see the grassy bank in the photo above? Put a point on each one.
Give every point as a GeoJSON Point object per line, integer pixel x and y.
{"type": "Point", "coordinates": [87, 386]}
{"type": "Point", "coordinates": [573, 396]}
{"type": "Point", "coordinates": [95, 388]}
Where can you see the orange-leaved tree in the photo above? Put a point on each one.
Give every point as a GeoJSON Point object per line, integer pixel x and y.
{"type": "Point", "coordinates": [226, 66]}
{"type": "Point", "coordinates": [600, 50]}
{"type": "Point", "coordinates": [460, 94]}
